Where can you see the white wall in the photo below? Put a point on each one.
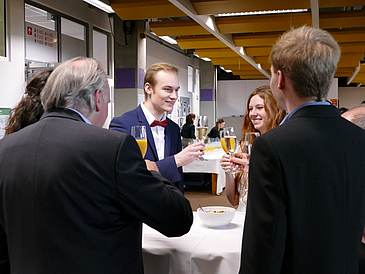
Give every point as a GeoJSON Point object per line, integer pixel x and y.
{"type": "Point", "coordinates": [232, 95]}
{"type": "Point", "coordinates": [351, 96]}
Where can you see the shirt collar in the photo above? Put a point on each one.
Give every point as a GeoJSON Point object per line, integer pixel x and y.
{"type": "Point", "coordinates": [82, 116]}
{"type": "Point", "coordinates": [149, 116]}
{"type": "Point", "coordinates": [287, 117]}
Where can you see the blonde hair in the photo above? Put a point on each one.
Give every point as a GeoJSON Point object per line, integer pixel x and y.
{"type": "Point", "coordinates": [308, 57]}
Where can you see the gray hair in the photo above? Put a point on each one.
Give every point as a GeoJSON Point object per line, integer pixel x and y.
{"type": "Point", "coordinates": [73, 84]}
{"type": "Point", "coordinates": [308, 57]}
{"type": "Point", "coordinates": [356, 115]}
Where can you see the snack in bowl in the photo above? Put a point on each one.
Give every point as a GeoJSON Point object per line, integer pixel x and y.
{"type": "Point", "coordinates": [214, 216]}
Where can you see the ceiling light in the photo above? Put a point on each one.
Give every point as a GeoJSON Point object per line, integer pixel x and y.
{"type": "Point", "coordinates": [206, 59]}
{"type": "Point", "coordinates": [100, 5]}
{"type": "Point", "coordinates": [166, 38]}
{"type": "Point", "coordinates": [260, 12]}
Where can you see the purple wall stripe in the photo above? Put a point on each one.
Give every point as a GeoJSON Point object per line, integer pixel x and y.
{"type": "Point", "coordinates": [125, 78]}
{"type": "Point", "coordinates": [206, 94]}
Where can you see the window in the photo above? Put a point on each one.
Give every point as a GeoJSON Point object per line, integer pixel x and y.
{"type": "Point", "coordinates": [40, 35]}
{"type": "Point", "coordinates": [73, 39]}
{"type": "Point", "coordinates": [101, 49]}
{"type": "Point", "coordinates": [2, 29]}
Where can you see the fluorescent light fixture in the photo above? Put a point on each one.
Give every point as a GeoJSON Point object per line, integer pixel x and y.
{"type": "Point", "coordinates": [166, 38]}
{"type": "Point", "coordinates": [259, 66]}
{"type": "Point", "coordinates": [195, 54]}
{"type": "Point", "coordinates": [206, 59]}
{"type": "Point", "coordinates": [100, 5]}
{"type": "Point", "coordinates": [226, 70]}
{"type": "Point", "coordinates": [260, 12]}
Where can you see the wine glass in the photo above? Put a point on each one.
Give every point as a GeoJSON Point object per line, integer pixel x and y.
{"type": "Point", "coordinates": [249, 138]}
{"type": "Point", "coordinates": [202, 128]}
{"type": "Point", "coordinates": [139, 133]}
{"type": "Point", "coordinates": [202, 131]}
{"type": "Point", "coordinates": [229, 141]}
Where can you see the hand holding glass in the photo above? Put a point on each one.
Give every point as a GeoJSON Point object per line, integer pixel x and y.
{"type": "Point", "coordinates": [139, 133]}
{"type": "Point", "coordinates": [228, 140]}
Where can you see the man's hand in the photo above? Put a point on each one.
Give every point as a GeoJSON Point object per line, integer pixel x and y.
{"type": "Point", "coordinates": [189, 154]}
{"type": "Point", "coordinates": [151, 165]}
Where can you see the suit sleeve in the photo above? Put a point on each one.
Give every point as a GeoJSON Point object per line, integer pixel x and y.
{"type": "Point", "coordinates": [149, 196]}
{"type": "Point", "coordinates": [116, 124]}
{"type": "Point", "coordinates": [263, 242]}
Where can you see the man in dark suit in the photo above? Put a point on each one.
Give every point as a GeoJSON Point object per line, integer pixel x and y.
{"type": "Point", "coordinates": [74, 195]}
{"type": "Point", "coordinates": [161, 86]}
{"type": "Point", "coordinates": [306, 197]}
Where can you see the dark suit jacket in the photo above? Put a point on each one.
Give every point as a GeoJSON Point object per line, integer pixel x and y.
{"type": "Point", "coordinates": [73, 197]}
{"type": "Point", "coordinates": [166, 166]}
{"type": "Point", "coordinates": [306, 197]}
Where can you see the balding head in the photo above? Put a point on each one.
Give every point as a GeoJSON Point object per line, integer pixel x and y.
{"type": "Point", "coordinates": [356, 116]}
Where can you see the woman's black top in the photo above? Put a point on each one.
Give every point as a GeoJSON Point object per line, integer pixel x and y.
{"type": "Point", "coordinates": [188, 131]}
{"type": "Point", "coordinates": [214, 133]}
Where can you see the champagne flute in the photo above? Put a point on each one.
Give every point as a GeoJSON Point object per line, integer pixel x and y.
{"type": "Point", "coordinates": [229, 141]}
{"type": "Point", "coordinates": [139, 133]}
{"type": "Point", "coordinates": [202, 128]}
{"type": "Point", "coordinates": [249, 138]}
{"type": "Point", "coordinates": [202, 131]}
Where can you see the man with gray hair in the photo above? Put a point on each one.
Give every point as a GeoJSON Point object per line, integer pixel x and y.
{"type": "Point", "coordinates": [74, 195]}
{"type": "Point", "coordinates": [306, 202]}
{"type": "Point", "coordinates": [356, 115]}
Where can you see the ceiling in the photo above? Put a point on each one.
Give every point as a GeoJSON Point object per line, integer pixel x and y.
{"type": "Point", "coordinates": [242, 44]}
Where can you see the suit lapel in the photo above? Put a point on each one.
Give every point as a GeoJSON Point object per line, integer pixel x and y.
{"type": "Point", "coordinates": [143, 122]}
{"type": "Point", "coordinates": [167, 139]}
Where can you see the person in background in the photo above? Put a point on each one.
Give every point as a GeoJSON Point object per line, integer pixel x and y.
{"type": "Point", "coordinates": [215, 131]}
{"type": "Point", "coordinates": [74, 195]}
{"type": "Point", "coordinates": [306, 207]}
{"type": "Point", "coordinates": [262, 114]}
{"type": "Point", "coordinates": [30, 109]}
{"type": "Point", "coordinates": [357, 116]}
{"type": "Point", "coordinates": [343, 110]}
{"type": "Point", "coordinates": [188, 130]}
{"type": "Point", "coordinates": [161, 87]}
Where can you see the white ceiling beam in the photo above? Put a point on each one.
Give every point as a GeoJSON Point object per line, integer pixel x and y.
{"type": "Point", "coordinates": [349, 79]}
{"type": "Point", "coordinates": [315, 13]}
{"type": "Point", "coordinates": [208, 22]}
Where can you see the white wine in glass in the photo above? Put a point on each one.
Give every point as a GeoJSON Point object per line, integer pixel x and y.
{"type": "Point", "coordinates": [139, 133]}
{"type": "Point", "coordinates": [202, 128]}
{"type": "Point", "coordinates": [229, 141]}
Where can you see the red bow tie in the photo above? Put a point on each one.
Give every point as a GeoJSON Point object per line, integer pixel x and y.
{"type": "Point", "coordinates": [158, 123]}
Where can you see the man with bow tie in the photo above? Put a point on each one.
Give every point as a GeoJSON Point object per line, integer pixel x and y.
{"type": "Point", "coordinates": [161, 86]}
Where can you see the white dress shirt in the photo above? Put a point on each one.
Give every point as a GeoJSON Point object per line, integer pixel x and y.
{"type": "Point", "coordinates": [158, 132]}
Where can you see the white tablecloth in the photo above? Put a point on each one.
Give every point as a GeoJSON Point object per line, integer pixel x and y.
{"type": "Point", "coordinates": [201, 251]}
{"type": "Point", "coordinates": [211, 166]}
